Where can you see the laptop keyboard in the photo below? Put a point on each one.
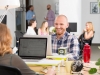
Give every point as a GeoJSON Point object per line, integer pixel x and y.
{"type": "Point", "coordinates": [31, 60]}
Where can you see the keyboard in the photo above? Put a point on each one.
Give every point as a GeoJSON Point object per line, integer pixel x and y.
{"type": "Point", "coordinates": [31, 60]}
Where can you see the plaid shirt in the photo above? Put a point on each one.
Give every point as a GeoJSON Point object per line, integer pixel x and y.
{"type": "Point", "coordinates": [69, 41]}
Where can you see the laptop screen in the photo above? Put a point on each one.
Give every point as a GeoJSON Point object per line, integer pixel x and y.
{"type": "Point", "coordinates": [32, 47]}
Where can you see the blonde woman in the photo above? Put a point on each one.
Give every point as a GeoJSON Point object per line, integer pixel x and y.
{"type": "Point", "coordinates": [87, 35]}
{"type": "Point", "coordinates": [88, 31]}
{"type": "Point", "coordinates": [9, 59]}
{"type": "Point", "coordinates": [43, 30]}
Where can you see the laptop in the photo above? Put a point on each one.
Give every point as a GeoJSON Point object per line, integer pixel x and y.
{"type": "Point", "coordinates": [49, 43]}
{"type": "Point", "coordinates": [32, 48]}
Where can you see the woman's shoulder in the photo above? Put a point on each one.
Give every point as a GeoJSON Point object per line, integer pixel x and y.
{"type": "Point", "coordinates": [39, 28]}
{"type": "Point", "coordinates": [91, 32]}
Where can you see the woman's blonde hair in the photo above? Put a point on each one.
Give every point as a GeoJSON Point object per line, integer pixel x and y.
{"type": "Point", "coordinates": [91, 28]}
{"type": "Point", "coordinates": [43, 23]}
{"type": "Point", "coordinates": [5, 40]}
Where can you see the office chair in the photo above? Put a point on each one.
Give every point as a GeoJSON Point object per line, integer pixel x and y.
{"type": "Point", "coordinates": [7, 70]}
{"type": "Point", "coordinates": [82, 43]}
{"type": "Point", "coordinates": [68, 30]}
{"type": "Point", "coordinates": [18, 35]}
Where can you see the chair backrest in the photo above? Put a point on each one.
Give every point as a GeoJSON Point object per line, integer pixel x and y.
{"type": "Point", "coordinates": [82, 41]}
{"type": "Point", "coordinates": [90, 43]}
{"type": "Point", "coordinates": [19, 34]}
{"type": "Point", "coordinates": [7, 70]}
{"type": "Point", "coordinates": [68, 29]}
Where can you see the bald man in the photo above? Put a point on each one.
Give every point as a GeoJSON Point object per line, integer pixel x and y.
{"type": "Point", "coordinates": [64, 39]}
{"type": "Point", "coordinates": [50, 16]}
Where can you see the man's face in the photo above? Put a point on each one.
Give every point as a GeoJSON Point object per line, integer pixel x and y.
{"type": "Point", "coordinates": [61, 24]}
{"type": "Point", "coordinates": [32, 8]}
{"type": "Point", "coordinates": [48, 7]}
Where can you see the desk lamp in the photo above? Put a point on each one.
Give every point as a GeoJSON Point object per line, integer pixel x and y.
{"type": "Point", "coordinates": [6, 5]}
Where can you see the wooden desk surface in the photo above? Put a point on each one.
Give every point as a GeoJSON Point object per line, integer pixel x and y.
{"type": "Point", "coordinates": [62, 70]}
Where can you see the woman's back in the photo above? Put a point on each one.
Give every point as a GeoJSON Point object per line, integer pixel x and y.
{"type": "Point", "coordinates": [16, 61]}
{"type": "Point", "coordinates": [42, 32]}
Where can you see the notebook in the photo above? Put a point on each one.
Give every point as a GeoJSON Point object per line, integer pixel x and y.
{"type": "Point", "coordinates": [32, 48]}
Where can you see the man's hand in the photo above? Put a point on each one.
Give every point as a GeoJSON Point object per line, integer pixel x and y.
{"type": "Point", "coordinates": [85, 30]}
{"type": "Point", "coordinates": [46, 18]}
{"type": "Point", "coordinates": [33, 16]}
{"type": "Point", "coordinates": [51, 72]}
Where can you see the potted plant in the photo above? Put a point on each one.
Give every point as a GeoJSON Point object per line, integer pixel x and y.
{"type": "Point", "coordinates": [52, 30]}
{"type": "Point", "coordinates": [94, 70]}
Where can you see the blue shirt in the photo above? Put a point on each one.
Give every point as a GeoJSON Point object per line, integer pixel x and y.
{"type": "Point", "coordinates": [69, 41]}
{"type": "Point", "coordinates": [29, 15]}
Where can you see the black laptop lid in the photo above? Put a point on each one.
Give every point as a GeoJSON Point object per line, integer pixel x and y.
{"type": "Point", "coordinates": [32, 47]}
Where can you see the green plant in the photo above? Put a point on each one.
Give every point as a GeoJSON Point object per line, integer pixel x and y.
{"type": "Point", "coordinates": [94, 70]}
{"type": "Point", "coordinates": [98, 3]}
{"type": "Point", "coordinates": [54, 30]}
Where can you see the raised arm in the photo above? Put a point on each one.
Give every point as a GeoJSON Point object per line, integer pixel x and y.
{"type": "Point", "coordinates": [88, 35]}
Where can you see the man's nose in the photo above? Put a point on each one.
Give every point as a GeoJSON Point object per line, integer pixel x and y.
{"type": "Point", "coordinates": [58, 26]}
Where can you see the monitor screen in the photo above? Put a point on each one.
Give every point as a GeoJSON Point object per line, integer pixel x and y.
{"type": "Point", "coordinates": [32, 47]}
{"type": "Point", "coordinates": [49, 44]}
{"type": "Point", "coordinates": [72, 27]}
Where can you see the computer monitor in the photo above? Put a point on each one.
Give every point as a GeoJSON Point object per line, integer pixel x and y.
{"type": "Point", "coordinates": [32, 47]}
{"type": "Point", "coordinates": [49, 44]}
{"type": "Point", "coordinates": [72, 27]}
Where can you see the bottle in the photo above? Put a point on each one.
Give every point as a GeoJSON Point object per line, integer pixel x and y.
{"type": "Point", "coordinates": [86, 53]}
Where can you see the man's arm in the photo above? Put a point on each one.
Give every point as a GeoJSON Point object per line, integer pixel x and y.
{"type": "Point", "coordinates": [74, 49]}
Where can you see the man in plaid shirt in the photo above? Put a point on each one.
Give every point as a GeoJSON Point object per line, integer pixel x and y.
{"type": "Point", "coordinates": [64, 39]}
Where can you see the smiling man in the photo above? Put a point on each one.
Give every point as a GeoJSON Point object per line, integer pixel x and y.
{"type": "Point", "coordinates": [63, 39]}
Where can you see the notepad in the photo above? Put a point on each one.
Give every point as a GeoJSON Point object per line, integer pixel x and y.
{"type": "Point", "coordinates": [45, 62]}
{"type": "Point", "coordinates": [58, 57]}
{"type": "Point", "coordinates": [99, 47]}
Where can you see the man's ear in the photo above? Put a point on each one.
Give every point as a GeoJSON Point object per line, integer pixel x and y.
{"type": "Point", "coordinates": [67, 25]}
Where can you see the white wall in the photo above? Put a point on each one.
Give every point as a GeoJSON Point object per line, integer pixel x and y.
{"type": "Point", "coordinates": [79, 11]}
{"type": "Point", "coordinates": [76, 11]}
{"type": "Point", "coordinates": [40, 8]}
{"type": "Point", "coordinates": [11, 23]}
{"type": "Point", "coordinates": [72, 9]}
{"type": "Point", "coordinates": [95, 18]}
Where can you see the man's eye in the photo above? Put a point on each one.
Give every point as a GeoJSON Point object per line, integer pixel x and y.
{"type": "Point", "coordinates": [61, 24]}
{"type": "Point", "coordinates": [56, 24]}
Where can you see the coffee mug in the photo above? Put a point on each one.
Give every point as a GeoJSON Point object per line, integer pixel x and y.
{"type": "Point", "coordinates": [62, 50]}
{"type": "Point", "coordinates": [68, 65]}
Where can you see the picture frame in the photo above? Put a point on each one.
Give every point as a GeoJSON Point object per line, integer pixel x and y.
{"type": "Point", "coordinates": [57, 8]}
{"type": "Point", "coordinates": [94, 8]}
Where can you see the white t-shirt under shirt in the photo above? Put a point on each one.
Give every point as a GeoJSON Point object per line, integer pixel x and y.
{"type": "Point", "coordinates": [30, 31]}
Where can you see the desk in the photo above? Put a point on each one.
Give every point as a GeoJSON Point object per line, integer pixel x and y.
{"type": "Point", "coordinates": [58, 57]}
{"type": "Point", "coordinates": [62, 70]}
{"type": "Point", "coordinates": [39, 69]}
{"type": "Point", "coordinates": [99, 47]}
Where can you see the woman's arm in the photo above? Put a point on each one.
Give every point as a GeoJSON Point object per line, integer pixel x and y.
{"type": "Point", "coordinates": [88, 35]}
{"type": "Point", "coordinates": [39, 31]}
{"type": "Point", "coordinates": [47, 31]}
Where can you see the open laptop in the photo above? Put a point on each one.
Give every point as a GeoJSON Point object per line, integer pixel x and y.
{"type": "Point", "coordinates": [49, 44]}
{"type": "Point", "coordinates": [32, 48]}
